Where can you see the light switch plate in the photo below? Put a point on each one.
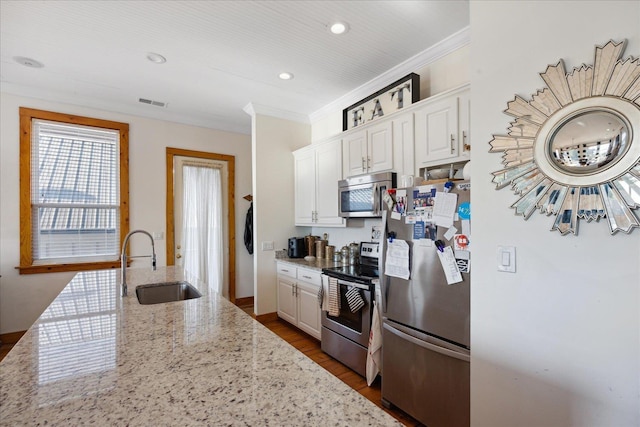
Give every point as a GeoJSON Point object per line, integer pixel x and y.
{"type": "Point", "coordinates": [267, 246]}
{"type": "Point", "coordinates": [506, 259]}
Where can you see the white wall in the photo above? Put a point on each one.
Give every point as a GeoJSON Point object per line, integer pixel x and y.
{"type": "Point", "coordinates": [558, 342]}
{"type": "Point", "coordinates": [24, 297]}
{"type": "Point", "coordinates": [273, 141]}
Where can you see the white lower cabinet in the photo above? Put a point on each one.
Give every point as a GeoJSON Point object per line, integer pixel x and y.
{"type": "Point", "coordinates": [298, 297]}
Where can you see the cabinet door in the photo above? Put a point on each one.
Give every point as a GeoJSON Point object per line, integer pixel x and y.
{"type": "Point", "coordinates": [328, 173]}
{"type": "Point", "coordinates": [305, 186]}
{"type": "Point", "coordinates": [380, 147]}
{"type": "Point", "coordinates": [436, 132]}
{"type": "Point", "coordinates": [464, 125]}
{"type": "Point", "coordinates": [403, 162]}
{"type": "Point", "coordinates": [308, 309]}
{"type": "Point", "coordinates": [355, 153]}
{"type": "Point", "coordinates": [287, 300]}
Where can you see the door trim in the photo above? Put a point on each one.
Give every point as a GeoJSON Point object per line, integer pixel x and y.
{"type": "Point", "coordinates": [231, 215]}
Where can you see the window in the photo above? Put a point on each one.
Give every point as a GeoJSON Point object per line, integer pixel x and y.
{"type": "Point", "coordinates": [74, 189]}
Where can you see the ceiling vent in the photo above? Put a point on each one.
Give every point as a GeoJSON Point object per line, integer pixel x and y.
{"type": "Point", "coordinates": [150, 102]}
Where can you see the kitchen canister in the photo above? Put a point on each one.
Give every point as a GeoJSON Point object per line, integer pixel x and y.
{"type": "Point", "coordinates": [344, 252]}
{"type": "Point", "coordinates": [320, 248]}
{"type": "Point", "coordinates": [310, 244]}
{"type": "Point", "coordinates": [329, 250]}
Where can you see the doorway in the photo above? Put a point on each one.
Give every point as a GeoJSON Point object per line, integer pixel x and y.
{"type": "Point", "coordinates": [175, 159]}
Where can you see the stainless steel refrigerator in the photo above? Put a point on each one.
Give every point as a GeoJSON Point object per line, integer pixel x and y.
{"type": "Point", "coordinates": [426, 342]}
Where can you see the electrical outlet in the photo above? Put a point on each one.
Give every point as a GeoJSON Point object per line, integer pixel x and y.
{"type": "Point", "coordinates": [267, 246]}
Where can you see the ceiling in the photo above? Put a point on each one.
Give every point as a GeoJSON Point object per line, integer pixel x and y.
{"type": "Point", "coordinates": [221, 55]}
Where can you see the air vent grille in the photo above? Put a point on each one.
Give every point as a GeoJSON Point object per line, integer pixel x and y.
{"type": "Point", "coordinates": [151, 102]}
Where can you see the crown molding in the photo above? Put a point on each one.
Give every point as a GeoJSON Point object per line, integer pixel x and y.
{"type": "Point", "coordinates": [422, 59]}
{"type": "Point", "coordinates": [153, 113]}
{"type": "Point", "coordinates": [253, 109]}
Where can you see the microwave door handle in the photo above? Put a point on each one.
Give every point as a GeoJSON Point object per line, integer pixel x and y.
{"type": "Point", "coordinates": [374, 199]}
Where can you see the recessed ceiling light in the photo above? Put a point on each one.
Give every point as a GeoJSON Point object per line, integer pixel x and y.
{"type": "Point", "coordinates": [28, 62]}
{"type": "Point", "coordinates": [339, 28]}
{"type": "Point", "coordinates": [156, 58]}
{"type": "Point", "coordinates": [285, 75]}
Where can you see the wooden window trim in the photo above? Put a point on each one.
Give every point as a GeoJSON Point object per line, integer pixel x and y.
{"type": "Point", "coordinates": [26, 255]}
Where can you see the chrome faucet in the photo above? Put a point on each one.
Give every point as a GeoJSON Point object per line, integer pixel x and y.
{"type": "Point", "coordinates": [123, 257]}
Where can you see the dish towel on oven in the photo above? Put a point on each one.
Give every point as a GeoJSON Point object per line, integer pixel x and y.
{"type": "Point", "coordinates": [323, 294]}
{"type": "Point", "coordinates": [334, 297]}
{"type": "Point", "coordinates": [354, 299]}
{"type": "Point", "coordinates": [374, 353]}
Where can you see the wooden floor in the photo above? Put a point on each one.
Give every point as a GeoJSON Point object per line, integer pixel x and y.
{"type": "Point", "coordinates": [311, 348]}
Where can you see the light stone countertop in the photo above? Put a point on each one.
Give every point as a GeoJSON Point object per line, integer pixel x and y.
{"type": "Point", "coordinates": [96, 358]}
{"type": "Point", "coordinates": [315, 264]}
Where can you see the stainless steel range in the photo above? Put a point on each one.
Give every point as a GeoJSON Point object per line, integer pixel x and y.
{"type": "Point", "coordinates": [345, 336]}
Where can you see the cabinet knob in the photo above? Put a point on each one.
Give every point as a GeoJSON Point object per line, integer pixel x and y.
{"type": "Point", "coordinates": [178, 256]}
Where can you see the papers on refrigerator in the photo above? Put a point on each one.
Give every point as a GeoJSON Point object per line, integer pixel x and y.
{"type": "Point", "coordinates": [449, 265]}
{"type": "Point", "coordinates": [397, 262]}
{"type": "Point", "coordinates": [444, 208]}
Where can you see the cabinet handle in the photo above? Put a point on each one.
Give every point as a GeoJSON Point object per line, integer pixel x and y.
{"type": "Point", "coordinates": [466, 147]}
{"type": "Point", "coordinates": [453, 138]}
{"type": "Point", "coordinates": [363, 166]}
{"type": "Point", "coordinates": [368, 163]}
{"type": "Point", "coordinates": [286, 271]}
{"type": "Point", "coordinates": [306, 277]}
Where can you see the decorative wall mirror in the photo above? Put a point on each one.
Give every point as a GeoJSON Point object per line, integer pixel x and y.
{"type": "Point", "coordinates": [573, 150]}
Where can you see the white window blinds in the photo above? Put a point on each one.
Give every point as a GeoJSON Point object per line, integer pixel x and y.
{"type": "Point", "coordinates": [74, 192]}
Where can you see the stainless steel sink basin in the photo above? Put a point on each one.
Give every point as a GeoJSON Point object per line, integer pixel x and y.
{"type": "Point", "coordinates": [156, 293]}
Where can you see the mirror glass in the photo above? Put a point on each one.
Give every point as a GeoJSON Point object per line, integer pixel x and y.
{"type": "Point", "coordinates": [588, 142]}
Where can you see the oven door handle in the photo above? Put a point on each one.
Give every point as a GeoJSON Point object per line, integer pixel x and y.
{"type": "Point", "coordinates": [355, 285]}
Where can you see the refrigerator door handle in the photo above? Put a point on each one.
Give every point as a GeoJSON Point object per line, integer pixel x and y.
{"type": "Point", "coordinates": [425, 344]}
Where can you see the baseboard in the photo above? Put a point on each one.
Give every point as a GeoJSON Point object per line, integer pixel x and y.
{"type": "Point", "coordinates": [243, 302]}
{"type": "Point", "coordinates": [11, 337]}
{"type": "Point", "coordinates": [269, 317]}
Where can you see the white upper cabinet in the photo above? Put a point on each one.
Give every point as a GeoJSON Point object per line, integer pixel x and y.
{"type": "Point", "coordinates": [355, 152]}
{"type": "Point", "coordinates": [369, 150]}
{"type": "Point", "coordinates": [305, 186]}
{"type": "Point", "coordinates": [318, 168]}
{"type": "Point", "coordinates": [403, 144]}
{"type": "Point", "coordinates": [328, 173]}
{"type": "Point", "coordinates": [442, 130]}
{"type": "Point", "coordinates": [380, 147]}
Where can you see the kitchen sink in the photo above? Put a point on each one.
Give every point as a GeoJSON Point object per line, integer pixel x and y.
{"type": "Point", "coordinates": [156, 293]}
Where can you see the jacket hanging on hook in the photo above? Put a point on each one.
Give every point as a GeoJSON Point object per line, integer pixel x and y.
{"type": "Point", "coordinates": [248, 230]}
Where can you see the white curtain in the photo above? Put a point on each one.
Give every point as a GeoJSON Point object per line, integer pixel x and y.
{"type": "Point", "coordinates": [202, 224]}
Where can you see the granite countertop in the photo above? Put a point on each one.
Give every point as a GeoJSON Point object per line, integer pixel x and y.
{"type": "Point", "coordinates": [94, 357]}
{"type": "Point", "coordinates": [315, 264]}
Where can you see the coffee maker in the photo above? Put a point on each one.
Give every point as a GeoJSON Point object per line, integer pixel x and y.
{"type": "Point", "coordinates": [296, 248]}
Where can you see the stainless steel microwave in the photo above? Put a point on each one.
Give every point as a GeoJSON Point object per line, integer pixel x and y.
{"type": "Point", "coordinates": [361, 196]}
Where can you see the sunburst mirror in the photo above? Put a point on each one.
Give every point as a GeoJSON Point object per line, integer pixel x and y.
{"type": "Point", "coordinates": [573, 150]}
